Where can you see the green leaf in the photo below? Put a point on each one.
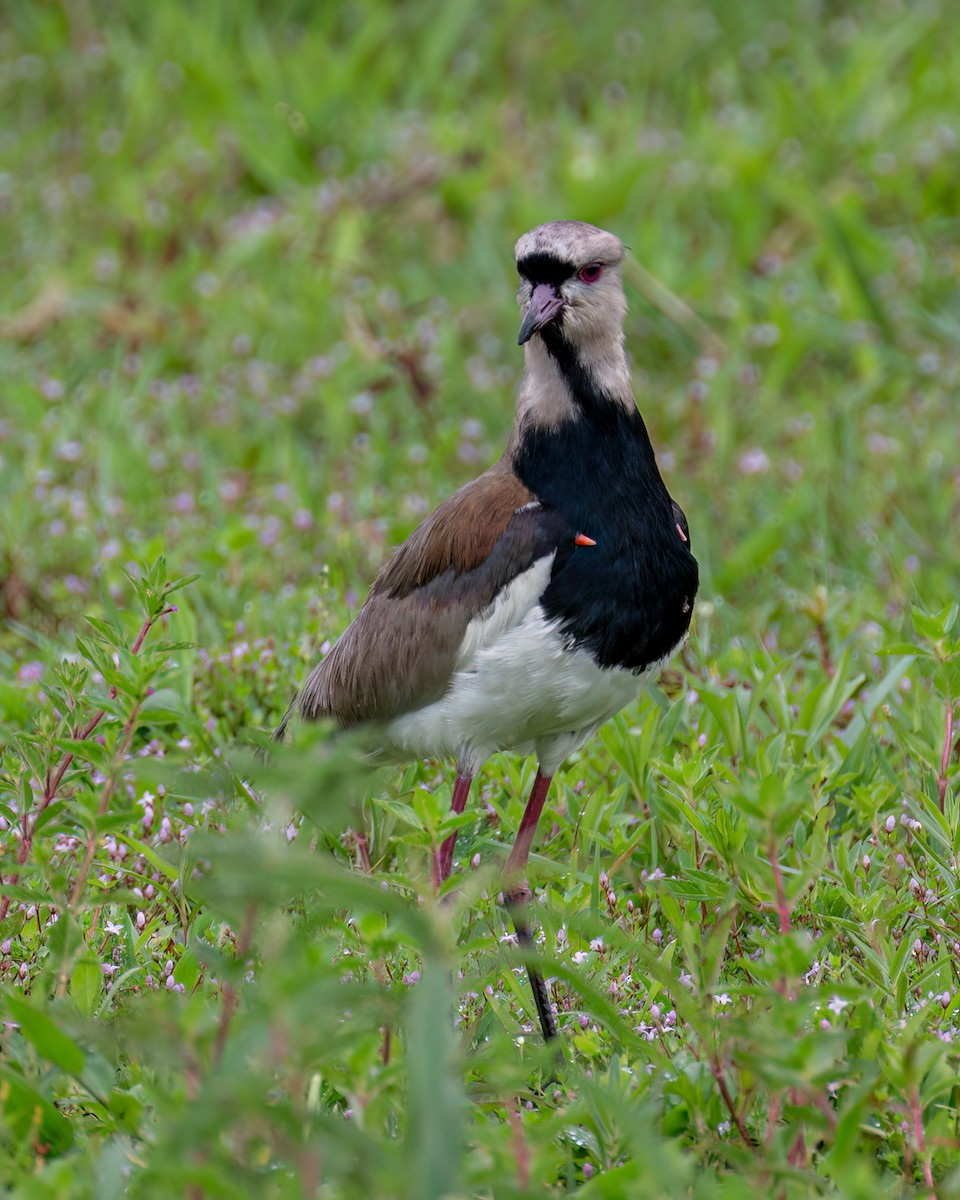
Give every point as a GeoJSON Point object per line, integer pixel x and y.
{"type": "Point", "coordinates": [697, 886]}
{"type": "Point", "coordinates": [46, 1037]}
{"type": "Point", "coordinates": [187, 970]}
{"type": "Point", "coordinates": [928, 625]}
{"type": "Point", "coordinates": [436, 1101]}
{"type": "Point", "coordinates": [772, 794]}
{"type": "Point", "coordinates": [176, 584]}
{"type": "Point", "coordinates": [86, 984]}
{"type": "Point", "coordinates": [403, 811]}
{"type": "Point", "coordinates": [31, 1115]}
{"type": "Point", "coordinates": [109, 631]}
{"type": "Point", "coordinates": [164, 705]}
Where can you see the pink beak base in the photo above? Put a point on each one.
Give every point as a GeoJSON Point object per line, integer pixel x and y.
{"type": "Point", "coordinates": [544, 305]}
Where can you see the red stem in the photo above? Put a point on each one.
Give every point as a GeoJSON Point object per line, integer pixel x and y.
{"type": "Point", "coordinates": [717, 1072]}
{"type": "Point", "coordinates": [917, 1114]}
{"type": "Point", "coordinates": [28, 821]}
{"type": "Point", "coordinates": [782, 907]}
{"type": "Point", "coordinates": [91, 848]}
{"type": "Point", "coordinates": [521, 1151]}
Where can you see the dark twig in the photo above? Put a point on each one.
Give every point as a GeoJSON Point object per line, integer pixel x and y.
{"type": "Point", "coordinates": [716, 1070]}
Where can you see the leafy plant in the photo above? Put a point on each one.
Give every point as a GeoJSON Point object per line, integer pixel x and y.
{"type": "Point", "coordinates": [258, 321]}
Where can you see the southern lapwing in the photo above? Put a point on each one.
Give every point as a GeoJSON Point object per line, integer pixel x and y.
{"type": "Point", "coordinates": [532, 605]}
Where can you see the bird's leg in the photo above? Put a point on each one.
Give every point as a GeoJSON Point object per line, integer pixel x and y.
{"type": "Point", "coordinates": [443, 858]}
{"type": "Point", "coordinates": [517, 895]}
{"type": "Point", "coordinates": [517, 862]}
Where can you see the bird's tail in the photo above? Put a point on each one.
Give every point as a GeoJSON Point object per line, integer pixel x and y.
{"type": "Point", "coordinates": [280, 732]}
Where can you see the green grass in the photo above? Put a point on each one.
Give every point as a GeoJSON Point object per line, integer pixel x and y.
{"type": "Point", "coordinates": [256, 320]}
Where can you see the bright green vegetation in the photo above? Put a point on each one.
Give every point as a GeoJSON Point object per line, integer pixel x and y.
{"type": "Point", "coordinates": [256, 320]}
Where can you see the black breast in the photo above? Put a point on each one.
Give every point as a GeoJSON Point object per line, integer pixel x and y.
{"type": "Point", "coordinates": [629, 598]}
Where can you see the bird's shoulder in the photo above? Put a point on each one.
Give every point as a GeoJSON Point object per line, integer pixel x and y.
{"type": "Point", "coordinates": [493, 526]}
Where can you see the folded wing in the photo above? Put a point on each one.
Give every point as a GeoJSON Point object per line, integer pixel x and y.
{"type": "Point", "coordinates": [430, 599]}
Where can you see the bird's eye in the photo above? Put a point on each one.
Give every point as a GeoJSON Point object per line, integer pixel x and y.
{"type": "Point", "coordinates": [591, 273]}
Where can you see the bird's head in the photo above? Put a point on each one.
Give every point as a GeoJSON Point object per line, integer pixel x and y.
{"type": "Point", "coordinates": [570, 284]}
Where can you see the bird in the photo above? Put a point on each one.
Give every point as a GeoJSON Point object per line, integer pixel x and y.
{"type": "Point", "coordinates": [535, 602]}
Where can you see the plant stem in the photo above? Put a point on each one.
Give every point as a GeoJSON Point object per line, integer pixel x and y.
{"type": "Point", "coordinates": [521, 1152]}
{"type": "Point", "coordinates": [55, 778]}
{"type": "Point", "coordinates": [229, 994]}
{"type": "Point", "coordinates": [782, 907]}
{"type": "Point", "coordinates": [91, 847]}
{"type": "Point", "coordinates": [917, 1113]}
{"type": "Point", "coordinates": [945, 753]}
{"type": "Point", "coordinates": [717, 1072]}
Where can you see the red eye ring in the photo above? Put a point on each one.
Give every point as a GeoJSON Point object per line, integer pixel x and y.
{"type": "Point", "coordinates": [590, 273]}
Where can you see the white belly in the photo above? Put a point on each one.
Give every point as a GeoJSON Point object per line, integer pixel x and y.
{"type": "Point", "coordinates": [516, 688]}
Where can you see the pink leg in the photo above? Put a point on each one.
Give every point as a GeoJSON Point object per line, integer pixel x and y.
{"type": "Point", "coordinates": [516, 895]}
{"type": "Point", "coordinates": [517, 862]}
{"type": "Point", "coordinates": [443, 858]}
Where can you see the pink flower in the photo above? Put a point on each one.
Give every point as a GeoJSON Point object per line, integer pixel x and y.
{"type": "Point", "coordinates": [30, 672]}
{"type": "Point", "coordinates": [753, 462]}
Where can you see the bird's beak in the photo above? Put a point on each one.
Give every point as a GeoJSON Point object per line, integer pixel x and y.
{"type": "Point", "coordinates": [542, 307]}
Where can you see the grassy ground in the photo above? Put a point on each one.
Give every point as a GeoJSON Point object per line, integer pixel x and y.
{"type": "Point", "coordinates": [257, 319]}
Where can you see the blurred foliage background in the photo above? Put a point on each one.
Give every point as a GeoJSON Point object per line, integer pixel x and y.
{"type": "Point", "coordinates": [257, 318]}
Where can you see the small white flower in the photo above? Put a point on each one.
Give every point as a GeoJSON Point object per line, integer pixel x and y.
{"type": "Point", "coordinates": [753, 461]}
{"type": "Point", "coordinates": [837, 1005]}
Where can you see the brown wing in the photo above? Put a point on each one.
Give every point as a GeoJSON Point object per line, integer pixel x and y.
{"type": "Point", "coordinates": [400, 652]}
